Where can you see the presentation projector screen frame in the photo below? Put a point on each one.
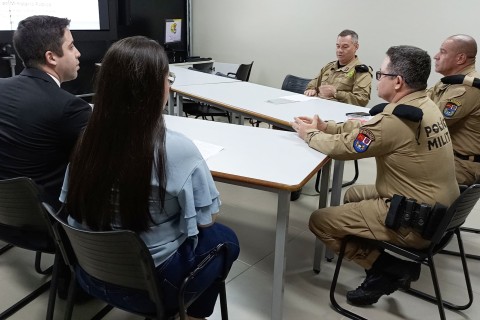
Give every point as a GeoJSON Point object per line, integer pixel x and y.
{"type": "Point", "coordinates": [105, 28]}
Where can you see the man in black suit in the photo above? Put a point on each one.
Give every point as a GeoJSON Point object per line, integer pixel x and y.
{"type": "Point", "coordinates": [39, 121]}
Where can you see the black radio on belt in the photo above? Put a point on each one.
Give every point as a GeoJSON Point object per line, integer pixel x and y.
{"type": "Point", "coordinates": [406, 212]}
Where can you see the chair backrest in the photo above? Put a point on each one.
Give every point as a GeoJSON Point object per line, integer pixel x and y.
{"type": "Point", "coordinates": [20, 205]}
{"type": "Point", "coordinates": [295, 84]}
{"type": "Point", "coordinates": [117, 257]}
{"type": "Point", "coordinates": [243, 72]}
{"type": "Point", "coordinates": [206, 67]}
{"type": "Point", "coordinates": [458, 212]}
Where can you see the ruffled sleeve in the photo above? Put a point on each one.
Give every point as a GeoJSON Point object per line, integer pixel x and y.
{"type": "Point", "coordinates": [198, 199]}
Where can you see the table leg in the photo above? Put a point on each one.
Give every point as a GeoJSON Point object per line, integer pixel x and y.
{"type": "Point", "coordinates": [336, 195]}
{"type": "Point", "coordinates": [283, 210]}
{"type": "Point", "coordinates": [322, 203]}
{"type": "Point", "coordinates": [171, 103]}
{"type": "Point", "coordinates": [179, 105]}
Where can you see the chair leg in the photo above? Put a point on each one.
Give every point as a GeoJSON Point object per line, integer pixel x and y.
{"type": "Point", "coordinates": [223, 301]}
{"type": "Point", "coordinates": [53, 288]}
{"type": "Point", "coordinates": [333, 286]}
{"type": "Point", "coordinates": [38, 266]}
{"type": "Point", "coordinates": [438, 298]}
{"type": "Point", "coordinates": [345, 184]}
{"type": "Point", "coordinates": [72, 288]}
{"type": "Point", "coordinates": [102, 313]}
{"type": "Point", "coordinates": [20, 304]}
{"type": "Point", "coordinates": [5, 248]}
{"type": "Point", "coordinates": [468, 255]}
{"type": "Point", "coordinates": [355, 177]}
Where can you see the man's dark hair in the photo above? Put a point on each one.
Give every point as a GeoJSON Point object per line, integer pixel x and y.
{"type": "Point", "coordinates": [412, 63]}
{"type": "Point", "coordinates": [351, 33]}
{"type": "Point", "coordinates": [36, 35]}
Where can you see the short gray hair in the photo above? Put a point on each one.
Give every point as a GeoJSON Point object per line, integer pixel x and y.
{"type": "Point", "coordinates": [412, 63]}
{"type": "Point", "coordinates": [351, 33]}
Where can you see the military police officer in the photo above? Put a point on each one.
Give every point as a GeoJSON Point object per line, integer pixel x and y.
{"type": "Point", "coordinates": [408, 138]}
{"type": "Point", "coordinates": [458, 97]}
{"type": "Point", "coordinates": [346, 79]}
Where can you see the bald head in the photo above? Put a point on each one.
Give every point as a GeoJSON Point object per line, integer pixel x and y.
{"type": "Point", "coordinates": [456, 53]}
{"type": "Point", "coordinates": [464, 44]}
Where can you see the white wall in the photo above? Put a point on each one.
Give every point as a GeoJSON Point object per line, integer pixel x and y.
{"type": "Point", "coordinates": [298, 37]}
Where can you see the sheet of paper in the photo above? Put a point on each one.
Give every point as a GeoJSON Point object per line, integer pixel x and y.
{"type": "Point", "coordinates": [280, 101]}
{"type": "Point", "coordinates": [299, 97]}
{"type": "Point", "coordinates": [291, 98]}
{"type": "Point", "coordinates": [207, 149]}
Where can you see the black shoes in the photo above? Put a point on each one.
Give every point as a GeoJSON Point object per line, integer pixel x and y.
{"type": "Point", "coordinates": [373, 287]}
{"type": "Point", "coordinates": [387, 275]}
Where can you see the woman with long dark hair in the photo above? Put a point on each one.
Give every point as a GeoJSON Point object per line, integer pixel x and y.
{"type": "Point", "coordinates": [129, 171]}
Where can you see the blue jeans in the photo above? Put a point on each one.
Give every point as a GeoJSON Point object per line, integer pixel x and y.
{"type": "Point", "coordinates": [171, 274]}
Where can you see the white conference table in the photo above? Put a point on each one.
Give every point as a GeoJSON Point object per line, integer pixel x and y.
{"type": "Point", "coordinates": [252, 100]}
{"type": "Point", "coordinates": [270, 172]}
{"type": "Point", "coordinates": [187, 77]}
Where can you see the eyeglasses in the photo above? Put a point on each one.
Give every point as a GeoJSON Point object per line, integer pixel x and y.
{"type": "Point", "coordinates": [171, 78]}
{"type": "Point", "coordinates": [379, 74]}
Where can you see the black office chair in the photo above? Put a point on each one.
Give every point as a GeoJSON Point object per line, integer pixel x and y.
{"type": "Point", "coordinates": [295, 84]}
{"type": "Point", "coordinates": [465, 229]}
{"type": "Point", "coordinates": [243, 72]}
{"type": "Point", "coordinates": [448, 226]}
{"type": "Point", "coordinates": [206, 67]}
{"type": "Point", "coordinates": [121, 258]}
{"type": "Point", "coordinates": [203, 110]}
{"type": "Point", "coordinates": [23, 224]}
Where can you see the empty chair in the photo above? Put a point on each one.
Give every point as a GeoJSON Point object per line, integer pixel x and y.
{"type": "Point", "coordinates": [206, 67]}
{"type": "Point", "coordinates": [203, 110]}
{"type": "Point", "coordinates": [446, 227]}
{"type": "Point", "coordinates": [465, 229]}
{"type": "Point", "coordinates": [24, 225]}
{"type": "Point", "coordinates": [121, 259]}
{"type": "Point", "coordinates": [243, 72]}
{"type": "Point", "coordinates": [295, 84]}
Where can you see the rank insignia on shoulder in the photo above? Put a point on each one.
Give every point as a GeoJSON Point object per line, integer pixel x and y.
{"type": "Point", "coordinates": [450, 108]}
{"type": "Point", "coordinates": [363, 140]}
{"type": "Point", "coordinates": [362, 68]}
{"type": "Point", "coordinates": [350, 73]}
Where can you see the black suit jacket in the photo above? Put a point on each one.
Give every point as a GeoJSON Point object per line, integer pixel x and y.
{"type": "Point", "coordinates": [39, 126]}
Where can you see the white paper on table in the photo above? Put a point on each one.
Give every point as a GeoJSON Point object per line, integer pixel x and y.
{"type": "Point", "coordinates": [298, 98]}
{"type": "Point", "coordinates": [207, 149]}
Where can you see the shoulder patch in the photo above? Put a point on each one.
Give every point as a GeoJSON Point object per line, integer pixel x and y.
{"type": "Point", "coordinates": [363, 140]}
{"type": "Point", "coordinates": [377, 109]}
{"type": "Point", "coordinates": [461, 79]}
{"type": "Point", "coordinates": [362, 68]}
{"type": "Point", "coordinates": [451, 107]}
{"type": "Point", "coordinates": [404, 111]}
{"type": "Point", "coordinates": [408, 112]}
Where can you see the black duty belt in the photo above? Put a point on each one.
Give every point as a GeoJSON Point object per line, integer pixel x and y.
{"type": "Point", "coordinates": [474, 158]}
